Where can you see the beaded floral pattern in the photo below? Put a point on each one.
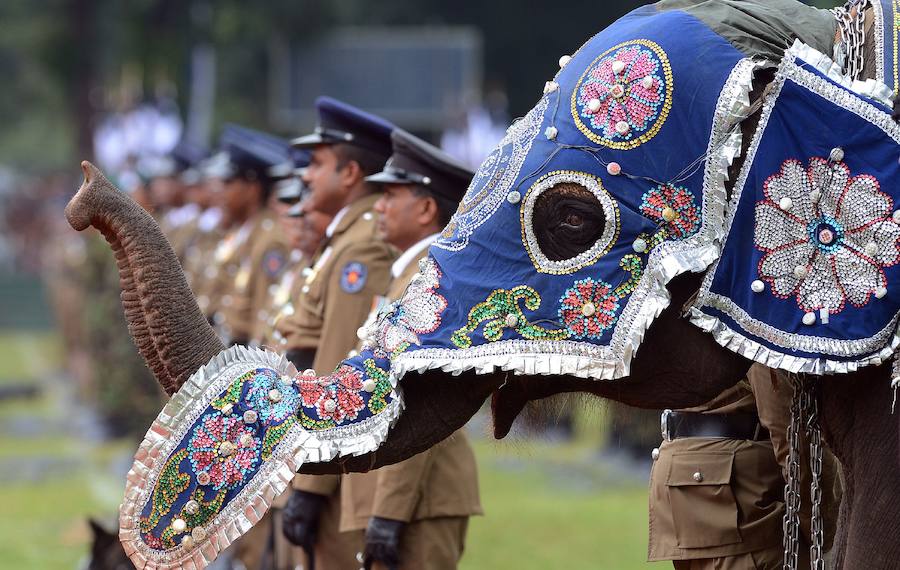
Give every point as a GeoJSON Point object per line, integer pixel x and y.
{"type": "Point", "coordinates": [589, 308]}
{"type": "Point", "coordinates": [674, 208]}
{"type": "Point", "coordinates": [418, 312]}
{"type": "Point", "coordinates": [337, 401]}
{"type": "Point", "coordinates": [623, 98]}
{"type": "Point", "coordinates": [224, 449]}
{"type": "Point", "coordinates": [259, 396]}
{"type": "Point", "coordinates": [826, 235]}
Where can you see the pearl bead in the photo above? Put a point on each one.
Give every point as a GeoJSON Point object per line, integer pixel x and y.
{"type": "Point", "coordinates": [871, 248]}
{"type": "Point", "coordinates": [203, 478]}
{"type": "Point", "coordinates": [187, 542]}
{"type": "Point", "coordinates": [362, 333]}
{"type": "Point", "coordinates": [551, 132]}
{"type": "Point", "coordinates": [800, 272]}
{"type": "Point", "coordinates": [594, 105]}
{"type": "Point", "coordinates": [192, 507]}
{"type": "Point", "coordinates": [550, 87]}
{"type": "Point", "coordinates": [227, 409]}
{"type": "Point", "coordinates": [514, 197]}
{"type": "Point", "coordinates": [757, 286]}
{"type": "Point", "coordinates": [815, 196]}
{"type": "Point", "coordinates": [369, 385]}
{"type": "Point", "coordinates": [330, 405]}
{"type": "Point", "coordinates": [617, 91]}
{"type": "Point", "coordinates": [639, 245]}
{"type": "Point", "coordinates": [275, 395]}
{"type": "Point", "coordinates": [564, 61]}
{"type": "Point", "coordinates": [309, 372]}
{"type": "Point", "coordinates": [226, 449]}
{"type": "Point", "coordinates": [178, 525]}
{"type": "Point", "coordinates": [809, 319]}
{"type": "Point", "coordinates": [622, 128]}
{"type": "Point", "coordinates": [250, 417]}
{"type": "Point", "coordinates": [823, 315]}
{"type": "Point", "coordinates": [614, 169]}
{"type": "Point", "coordinates": [896, 216]}
{"type": "Point", "coordinates": [512, 321]}
{"type": "Point", "coordinates": [785, 203]}
{"type": "Point", "coordinates": [880, 292]}
{"type": "Point", "coordinates": [668, 214]}
{"type": "Point", "coordinates": [198, 534]}
{"type": "Point", "coordinates": [618, 66]}
{"type": "Point", "coordinates": [837, 154]}
{"type": "Point", "coordinates": [286, 379]}
{"type": "Point", "coordinates": [588, 309]}
{"type": "Point", "coordinates": [647, 82]}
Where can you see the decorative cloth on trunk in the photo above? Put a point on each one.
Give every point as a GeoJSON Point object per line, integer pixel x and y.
{"type": "Point", "coordinates": [809, 275]}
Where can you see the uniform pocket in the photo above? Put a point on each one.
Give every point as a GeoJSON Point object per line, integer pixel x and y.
{"type": "Point", "coordinates": [703, 507]}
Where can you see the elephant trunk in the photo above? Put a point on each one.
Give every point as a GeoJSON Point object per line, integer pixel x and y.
{"type": "Point", "coordinates": [163, 318]}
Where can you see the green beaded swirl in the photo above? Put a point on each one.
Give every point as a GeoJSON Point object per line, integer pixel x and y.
{"type": "Point", "coordinates": [377, 401]}
{"type": "Point", "coordinates": [633, 265]}
{"type": "Point", "coordinates": [172, 482]}
{"type": "Point", "coordinates": [493, 312]}
{"type": "Point", "coordinates": [274, 435]}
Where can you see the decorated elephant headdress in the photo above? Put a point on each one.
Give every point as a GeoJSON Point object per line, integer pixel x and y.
{"type": "Point", "coordinates": [631, 143]}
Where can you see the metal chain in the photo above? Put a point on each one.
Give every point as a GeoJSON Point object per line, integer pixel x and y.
{"type": "Point", "coordinates": [804, 410]}
{"type": "Point", "coordinates": [791, 522]}
{"type": "Point", "coordinates": [853, 36]}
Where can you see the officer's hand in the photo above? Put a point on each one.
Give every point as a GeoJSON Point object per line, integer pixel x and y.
{"type": "Point", "coordinates": [300, 518]}
{"type": "Point", "coordinates": [383, 543]}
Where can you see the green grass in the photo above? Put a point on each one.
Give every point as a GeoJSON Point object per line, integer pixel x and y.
{"type": "Point", "coordinates": [27, 357]}
{"type": "Point", "coordinates": [547, 507]}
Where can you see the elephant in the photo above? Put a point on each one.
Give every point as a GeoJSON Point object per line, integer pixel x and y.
{"type": "Point", "coordinates": [577, 262]}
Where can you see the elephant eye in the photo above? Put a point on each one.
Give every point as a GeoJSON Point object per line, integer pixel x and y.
{"type": "Point", "coordinates": [569, 220]}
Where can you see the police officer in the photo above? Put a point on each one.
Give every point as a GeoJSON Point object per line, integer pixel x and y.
{"type": "Point", "coordinates": [716, 486]}
{"type": "Point", "coordinates": [416, 512]}
{"type": "Point", "coordinates": [350, 269]}
{"type": "Point", "coordinates": [254, 254]}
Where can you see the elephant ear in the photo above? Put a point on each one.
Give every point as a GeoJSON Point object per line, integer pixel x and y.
{"type": "Point", "coordinates": [809, 276]}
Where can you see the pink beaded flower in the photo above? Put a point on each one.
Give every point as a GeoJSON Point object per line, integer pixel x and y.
{"type": "Point", "coordinates": [223, 450]}
{"type": "Point", "coordinates": [826, 235]}
{"type": "Point", "coordinates": [674, 207]}
{"type": "Point", "coordinates": [341, 400]}
{"type": "Point", "coordinates": [623, 94]}
{"type": "Point", "coordinates": [588, 308]}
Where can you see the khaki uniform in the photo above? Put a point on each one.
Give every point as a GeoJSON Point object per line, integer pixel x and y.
{"type": "Point", "coordinates": [262, 267]}
{"type": "Point", "coordinates": [198, 259]}
{"type": "Point", "coordinates": [326, 317]}
{"type": "Point", "coordinates": [435, 492]}
{"type": "Point", "coordinates": [732, 517]}
{"type": "Point", "coordinates": [278, 304]}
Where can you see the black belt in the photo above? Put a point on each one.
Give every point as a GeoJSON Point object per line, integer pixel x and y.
{"type": "Point", "coordinates": [730, 426]}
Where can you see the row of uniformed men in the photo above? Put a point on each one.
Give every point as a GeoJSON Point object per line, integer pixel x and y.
{"type": "Point", "coordinates": [291, 247]}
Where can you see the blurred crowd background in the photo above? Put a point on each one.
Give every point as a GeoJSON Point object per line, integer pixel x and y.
{"type": "Point", "coordinates": [121, 83]}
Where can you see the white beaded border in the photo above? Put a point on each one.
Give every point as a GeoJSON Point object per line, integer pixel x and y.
{"type": "Point", "coordinates": [603, 244]}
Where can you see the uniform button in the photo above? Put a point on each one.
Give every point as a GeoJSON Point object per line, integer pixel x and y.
{"type": "Point", "coordinates": [282, 341]}
{"type": "Point", "coordinates": [305, 289]}
{"type": "Point", "coordinates": [359, 557]}
{"type": "Point", "coordinates": [368, 216]}
{"type": "Point", "coordinates": [655, 453]}
{"type": "Point", "coordinates": [698, 477]}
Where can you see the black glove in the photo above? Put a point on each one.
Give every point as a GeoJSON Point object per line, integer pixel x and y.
{"type": "Point", "coordinates": [383, 542]}
{"type": "Point", "coordinates": [300, 519]}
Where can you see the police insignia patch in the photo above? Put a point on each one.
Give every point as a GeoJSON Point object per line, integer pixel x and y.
{"type": "Point", "coordinates": [353, 277]}
{"type": "Point", "coordinates": [273, 262]}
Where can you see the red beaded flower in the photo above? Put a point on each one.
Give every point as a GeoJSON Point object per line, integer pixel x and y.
{"type": "Point", "coordinates": [588, 308]}
{"type": "Point", "coordinates": [342, 400]}
{"type": "Point", "coordinates": [224, 450]}
{"type": "Point", "coordinates": [674, 207]}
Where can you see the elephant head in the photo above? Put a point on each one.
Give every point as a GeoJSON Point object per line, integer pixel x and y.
{"type": "Point", "coordinates": [568, 267]}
